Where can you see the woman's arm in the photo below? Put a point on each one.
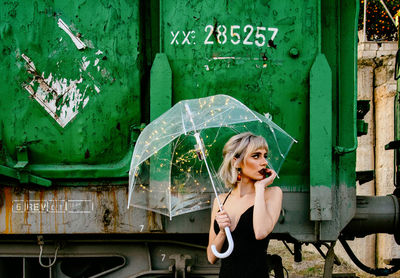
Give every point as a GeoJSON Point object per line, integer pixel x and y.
{"type": "Point", "coordinates": [267, 207]}
{"type": "Point", "coordinates": [217, 239]}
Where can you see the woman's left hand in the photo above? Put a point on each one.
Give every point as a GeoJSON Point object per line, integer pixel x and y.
{"type": "Point", "coordinates": [262, 184]}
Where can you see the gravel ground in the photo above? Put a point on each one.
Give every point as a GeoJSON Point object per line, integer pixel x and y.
{"type": "Point", "coordinates": [312, 264]}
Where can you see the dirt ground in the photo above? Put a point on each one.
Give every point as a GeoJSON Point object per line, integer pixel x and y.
{"type": "Point", "coordinates": [312, 264]}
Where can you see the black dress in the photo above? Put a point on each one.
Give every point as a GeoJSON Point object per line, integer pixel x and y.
{"type": "Point", "coordinates": [249, 256]}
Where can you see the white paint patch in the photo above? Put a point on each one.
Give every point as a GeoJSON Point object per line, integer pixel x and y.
{"type": "Point", "coordinates": [61, 98]}
{"type": "Point", "coordinates": [84, 63]}
{"type": "Point", "coordinates": [96, 61]}
{"type": "Point", "coordinates": [30, 64]}
{"type": "Point", "coordinates": [224, 58]}
{"type": "Point", "coordinates": [99, 52]}
{"type": "Point", "coordinates": [77, 41]}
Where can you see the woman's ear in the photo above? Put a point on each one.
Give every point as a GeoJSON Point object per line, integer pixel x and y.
{"type": "Point", "coordinates": [234, 162]}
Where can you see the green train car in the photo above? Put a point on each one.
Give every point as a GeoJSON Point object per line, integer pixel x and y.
{"type": "Point", "coordinates": [80, 79]}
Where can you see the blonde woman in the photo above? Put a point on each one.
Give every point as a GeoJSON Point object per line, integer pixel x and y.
{"type": "Point", "coordinates": [251, 209]}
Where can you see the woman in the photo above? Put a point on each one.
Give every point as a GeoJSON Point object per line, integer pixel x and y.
{"type": "Point", "coordinates": [251, 209]}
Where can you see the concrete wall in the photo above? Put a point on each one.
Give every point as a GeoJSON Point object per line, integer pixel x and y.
{"type": "Point", "coordinates": [376, 84]}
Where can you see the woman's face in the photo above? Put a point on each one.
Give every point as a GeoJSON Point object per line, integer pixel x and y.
{"type": "Point", "coordinates": [253, 163]}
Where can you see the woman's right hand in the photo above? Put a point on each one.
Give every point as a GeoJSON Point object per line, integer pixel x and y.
{"type": "Point", "coordinates": [223, 220]}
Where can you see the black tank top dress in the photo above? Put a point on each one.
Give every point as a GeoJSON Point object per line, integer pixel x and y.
{"type": "Point", "coordinates": [249, 256]}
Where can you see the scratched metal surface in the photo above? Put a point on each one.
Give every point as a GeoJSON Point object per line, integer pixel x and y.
{"type": "Point", "coordinates": [69, 82]}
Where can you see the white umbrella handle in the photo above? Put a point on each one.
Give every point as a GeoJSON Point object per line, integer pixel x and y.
{"type": "Point", "coordinates": [230, 246]}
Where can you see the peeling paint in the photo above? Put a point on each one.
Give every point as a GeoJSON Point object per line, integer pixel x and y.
{"type": "Point", "coordinates": [224, 58]}
{"type": "Point", "coordinates": [78, 43]}
{"type": "Point", "coordinates": [85, 63]}
{"type": "Point", "coordinates": [51, 92]}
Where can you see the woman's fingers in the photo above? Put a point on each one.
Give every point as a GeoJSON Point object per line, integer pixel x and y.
{"type": "Point", "coordinates": [272, 175]}
{"type": "Point", "coordinates": [223, 219]}
{"type": "Point", "coordinates": [268, 180]}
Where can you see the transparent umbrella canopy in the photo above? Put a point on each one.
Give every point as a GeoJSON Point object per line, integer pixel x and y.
{"type": "Point", "coordinates": [173, 164]}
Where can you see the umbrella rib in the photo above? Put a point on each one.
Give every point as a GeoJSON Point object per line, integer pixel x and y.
{"type": "Point", "coordinates": [143, 158]}
{"type": "Point", "coordinates": [219, 114]}
{"type": "Point", "coordinates": [183, 122]}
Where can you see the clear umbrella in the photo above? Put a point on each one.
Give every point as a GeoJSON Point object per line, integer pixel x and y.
{"type": "Point", "coordinates": [172, 170]}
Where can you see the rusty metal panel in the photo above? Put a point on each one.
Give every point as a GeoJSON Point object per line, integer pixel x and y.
{"type": "Point", "coordinates": [72, 210]}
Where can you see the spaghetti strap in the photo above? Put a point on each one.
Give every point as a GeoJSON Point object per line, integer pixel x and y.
{"type": "Point", "coordinates": [227, 197]}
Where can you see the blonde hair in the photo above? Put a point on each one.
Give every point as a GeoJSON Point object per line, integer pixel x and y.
{"type": "Point", "coordinates": [239, 147]}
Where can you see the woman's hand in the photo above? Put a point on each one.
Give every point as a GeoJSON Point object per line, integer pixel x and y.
{"type": "Point", "coordinates": [223, 220]}
{"type": "Point", "coordinates": [262, 184]}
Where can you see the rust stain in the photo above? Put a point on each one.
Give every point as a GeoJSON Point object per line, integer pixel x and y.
{"type": "Point", "coordinates": [104, 210]}
{"type": "Point", "coordinates": [26, 201]}
{"type": "Point", "coordinates": [8, 203]}
{"type": "Point", "coordinates": [116, 210]}
{"type": "Point", "coordinates": [26, 212]}
{"type": "Point", "coordinates": [41, 197]}
{"type": "Point", "coordinates": [1, 200]}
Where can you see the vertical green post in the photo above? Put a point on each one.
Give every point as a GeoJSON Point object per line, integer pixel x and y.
{"type": "Point", "coordinates": [160, 101]}
{"type": "Point", "coordinates": [320, 140]}
{"type": "Point", "coordinates": [160, 86]}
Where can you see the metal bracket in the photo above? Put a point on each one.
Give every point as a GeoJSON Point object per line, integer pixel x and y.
{"type": "Point", "coordinates": [22, 157]}
{"type": "Point", "coordinates": [19, 170]}
{"type": "Point", "coordinates": [179, 267]}
{"type": "Point", "coordinates": [363, 107]}
{"type": "Point", "coordinates": [365, 176]}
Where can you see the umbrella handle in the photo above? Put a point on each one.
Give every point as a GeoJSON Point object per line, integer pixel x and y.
{"type": "Point", "coordinates": [230, 246]}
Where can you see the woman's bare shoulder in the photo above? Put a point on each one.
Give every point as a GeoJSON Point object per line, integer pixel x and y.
{"type": "Point", "coordinates": [273, 191]}
{"type": "Point", "coordinates": [221, 197]}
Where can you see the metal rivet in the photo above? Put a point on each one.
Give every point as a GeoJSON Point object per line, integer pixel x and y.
{"type": "Point", "coordinates": [294, 52]}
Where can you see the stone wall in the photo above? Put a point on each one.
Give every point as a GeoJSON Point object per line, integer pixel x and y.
{"type": "Point", "coordinates": [376, 83]}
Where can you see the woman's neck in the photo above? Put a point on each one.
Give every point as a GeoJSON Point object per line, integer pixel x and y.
{"type": "Point", "coordinates": [244, 187]}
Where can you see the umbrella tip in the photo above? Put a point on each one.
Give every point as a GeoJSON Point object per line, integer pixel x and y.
{"type": "Point", "coordinates": [268, 116]}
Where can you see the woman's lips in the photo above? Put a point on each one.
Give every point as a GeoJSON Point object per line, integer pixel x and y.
{"type": "Point", "coordinates": [264, 172]}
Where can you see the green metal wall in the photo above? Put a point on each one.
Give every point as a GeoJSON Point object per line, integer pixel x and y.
{"type": "Point", "coordinates": [227, 50]}
{"type": "Point", "coordinates": [293, 59]}
{"type": "Point", "coordinates": [71, 108]}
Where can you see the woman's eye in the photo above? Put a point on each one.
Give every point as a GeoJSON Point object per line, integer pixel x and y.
{"type": "Point", "coordinates": [255, 156]}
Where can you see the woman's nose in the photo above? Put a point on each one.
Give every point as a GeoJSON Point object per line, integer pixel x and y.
{"type": "Point", "coordinates": [264, 162]}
